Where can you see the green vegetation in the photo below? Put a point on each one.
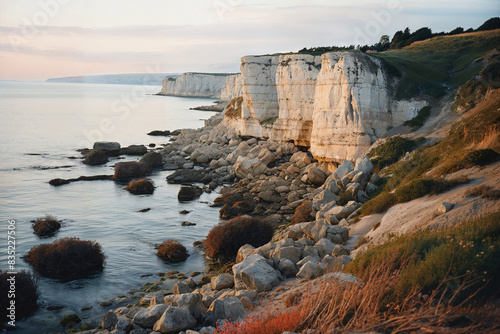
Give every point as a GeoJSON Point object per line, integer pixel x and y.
{"type": "Point", "coordinates": [412, 190]}
{"type": "Point", "coordinates": [419, 120]}
{"type": "Point", "coordinates": [435, 65]}
{"type": "Point", "coordinates": [468, 159]}
{"type": "Point", "coordinates": [467, 253]}
{"type": "Point", "coordinates": [269, 122]}
{"type": "Point", "coordinates": [391, 151]}
{"type": "Point", "coordinates": [317, 51]}
{"type": "Point", "coordinates": [233, 109]}
{"type": "Point", "coordinates": [70, 320]}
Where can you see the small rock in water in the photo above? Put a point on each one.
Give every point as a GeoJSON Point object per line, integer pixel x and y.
{"type": "Point", "coordinates": [86, 308]}
{"type": "Point", "coordinates": [184, 212]}
{"type": "Point", "coordinates": [188, 224]}
{"type": "Point", "coordinates": [144, 210]}
{"type": "Point", "coordinates": [54, 307]}
{"type": "Point", "coordinates": [152, 145]}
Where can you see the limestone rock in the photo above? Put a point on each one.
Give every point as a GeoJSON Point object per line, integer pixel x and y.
{"type": "Point", "coordinates": [174, 320]}
{"type": "Point", "coordinates": [254, 273]}
{"type": "Point", "coordinates": [363, 164]}
{"type": "Point", "coordinates": [190, 301]}
{"type": "Point", "coordinates": [310, 270]}
{"type": "Point", "coordinates": [194, 85]}
{"type": "Point", "coordinates": [222, 281]}
{"type": "Point", "coordinates": [110, 148]}
{"type": "Point", "coordinates": [227, 308]}
{"type": "Point", "coordinates": [316, 176]}
{"type": "Point", "coordinates": [147, 317]}
{"type": "Point", "coordinates": [95, 157]}
{"type": "Point", "coordinates": [244, 252]}
{"type": "Point", "coordinates": [345, 168]}
{"type": "Point", "coordinates": [245, 166]}
{"type": "Point", "coordinates": [445, 207]}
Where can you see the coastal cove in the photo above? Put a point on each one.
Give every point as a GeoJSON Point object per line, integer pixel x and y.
{"type": "Point", "coordinates": [41, 127]}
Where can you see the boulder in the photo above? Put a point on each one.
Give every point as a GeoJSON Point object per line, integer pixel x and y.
{"type": "Point", "coordinates": [361, 178]}
{"type": "Point", "coordinates": [316, 176]}
{"type": "Point", "coordinates": [325, 196]}
{"type": "Point", "coordinates": [130, 169]}
{"type": "Point", "coordinates": [109, 320]}
{"type": "Point", "coordinates": [364, 165]}
{"type": "Point", "coordinates": [324, 247]}
{"type": "Point", "coordinates": [152, 159]}
{"type": "Point", "coordinates": [345, 168]}
{"type": "Point", "coordinates": [222, 281]}
{"type": "Point", "coordinates": [445, 207]}
{"type": "Point", "coordinates": [174, 320]}
{"type": "Point", "coordinates": [227, 308]}
{"type": "Point", "coordinates": [300, 156]}
{"type": "Point", "coordinates": [291, 253]}
{"type": "Point", "coordinates": [147, 317]}
{"type": "Point", "coordinates": [188, 193]}
{"type": "Point", "coordinates": [331, 185]}
{"type": "Point", "coordinates": [310, 270]}
{"type": "Point", "coordinates": [371, 189]}
{"type": "Point", "coordinates": [340, 250]}
{"type": "Point", "coordinates": [287, 268]}
{"type": "Point", "coordinates": [110, 148]}
{"type": "Point", "coordinates": [266, 156]}
{"type": "Point", "coordinates": [254, 273]}
{"type": "Point", "coordinates": [95, 157]}
{"type": "Point", "coordinates": [182, 288]}
{"type": "Point", "coordinates": [141, 186]}
{"type": "Point", "coordinates": [134, 150]}
{"type": "Point", "coordinates": [244, 252]}
{"type": "Point", "coordinates": [362, 196]}
{"type": "Point", "coordinates": [352, 190]}
{"type": "Point", "coordinates": [193, 302]}
{"type": "Point", "coordinates": [343, 211]}
{"type": "Point", "coordinates": [189, 176]}
{"type": "Point", "coordinates": [245, 166]}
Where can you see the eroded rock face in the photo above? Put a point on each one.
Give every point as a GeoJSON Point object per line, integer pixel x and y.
{"type": "Point", "coordinates": [338, 107]}
{"type": "Point", "coordinates": [231, 88]}
{"type": "Point", "coordinates": [296, 84]}
{"type": "Point", "coordinates": [194, 84]}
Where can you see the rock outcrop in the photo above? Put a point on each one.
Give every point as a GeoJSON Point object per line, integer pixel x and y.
{"type": "Point", "coordinates": [231, 88]}
{"type": "Point", "coordinates": [194, 85]}
{"type": "Point", "coordinates": [338, 104]}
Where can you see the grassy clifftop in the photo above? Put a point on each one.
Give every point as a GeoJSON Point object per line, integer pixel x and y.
{"type": "Point", "coordinates": [435, 65]}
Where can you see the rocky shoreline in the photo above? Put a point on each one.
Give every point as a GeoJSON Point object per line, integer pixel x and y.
{"type": "Point", "coordinates": [308, 205]}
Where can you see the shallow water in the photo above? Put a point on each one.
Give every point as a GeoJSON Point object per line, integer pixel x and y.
{"type": "Point", "coordinates": [52, 120]}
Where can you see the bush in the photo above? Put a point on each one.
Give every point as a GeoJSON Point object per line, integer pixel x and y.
{"type": "Point", "coordinates": [67, 258]}
{"type": "Point", "coordinates": [419, 120]}
{"type": "Point", "coordinates": [225, 239]}
{"type": "Point", "coordinates": [46, 226]}
{"type": "Point", "coordinates": [26, 294]}
{"type": "Point", "coordinates": [468, 252]}
{"type": "Point", "coordinates": [303, 213]}
{"type": "Point", "coordinates": [390, 151]}
{"type": "Point", "coordinates": [483, 191]}
{"type": "Point", "coordinates": [266, 323]}
{"type": "Point", "coordinates": [141, 186]}
{"type": "Point", "coordinates": [172, 250]}
{"type": "Point", "coordinates": [408, 192]}
{"type": "Point", "coordinates": [469, 159]}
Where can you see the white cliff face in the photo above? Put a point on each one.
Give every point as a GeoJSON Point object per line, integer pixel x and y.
{"type": "Point", "coordinates": [194, 85]}
{"type": "Point", "coordinates": [354, 106]}
{"type": "Point", "coordinates": [231, 88]}
{"type": "Point", "coordinates": [338, 104]}
{"type": "Point", "coordinates": [296, 83]}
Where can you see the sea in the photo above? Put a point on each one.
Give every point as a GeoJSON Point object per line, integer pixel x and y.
{"type": "Point", "coordinates": [42, 125]}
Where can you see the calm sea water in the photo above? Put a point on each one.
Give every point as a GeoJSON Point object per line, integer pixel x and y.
{"type": "Point", "coordinates": [41, 126]}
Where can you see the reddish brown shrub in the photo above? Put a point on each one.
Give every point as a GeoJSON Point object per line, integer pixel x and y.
{"type": "Point", "coordinates": [303, 213]}
{"type": "Point", "coordinates": [26, 294]}
{"type": "Point", "coordinates": [266, 323]}
{"type": "Point", "coordinates": [141, 186]}
{"type": "Point", "coordinates": [46, 225]}
{"type": "Point", "coordinates": [172, 250]}
{"type": "Point", "coordinates": [67, 258]}
{"type": "Point", "coordinates": [225, 239]}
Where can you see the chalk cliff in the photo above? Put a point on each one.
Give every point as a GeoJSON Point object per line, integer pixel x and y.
{"type": "Point", "coordinates": [231, 88]}
{"type": "Point", "coordinates": [337, 104]}
{"type": "Point", "coordinates": [194, 85]}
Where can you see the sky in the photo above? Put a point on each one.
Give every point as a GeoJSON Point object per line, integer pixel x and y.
{"type": "Point", "coordinates": [42, 39]}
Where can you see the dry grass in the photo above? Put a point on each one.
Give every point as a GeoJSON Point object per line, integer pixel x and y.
{"type": "Point", "coordinates": [372, 305]}
{"type": "Point", "coordinates": [484, 191]}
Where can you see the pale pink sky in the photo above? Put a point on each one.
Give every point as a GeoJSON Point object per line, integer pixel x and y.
{"type": "Point", "coordinates": [40, 39]}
